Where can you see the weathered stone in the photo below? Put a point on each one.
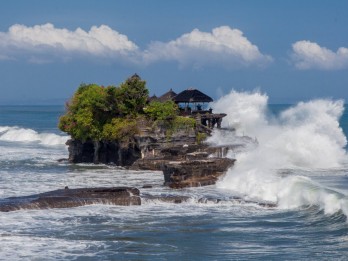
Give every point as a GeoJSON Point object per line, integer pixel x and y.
{"type": "Point", "coordinates": [123, 196]}
{"type": "Point", "coordinates": [174, 153]}
{"type": "Point", "coordinates": [150, 142]}
{"type": "Point", "coordinates": [148, 164]}
{"type": "Point", "coordinates": [195, 173]}
{"type": "Point", "coordinates": [183, 162]}
{"type": "Point", "coordinates": [167, 198]}
{"type": "Point", "coordinates": [102, 152]}
{"type": "Point", "coordinates": [67, 198]}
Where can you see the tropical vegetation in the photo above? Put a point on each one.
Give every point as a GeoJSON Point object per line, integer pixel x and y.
{"type": "Point", "coordinates": [112, 113]}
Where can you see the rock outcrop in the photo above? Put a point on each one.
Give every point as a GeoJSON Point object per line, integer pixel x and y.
{"type": "Point", "coordinates": [103, 152]}
{"type": "Point", "coordinates": [195, 173]}
{"type": "Point", "coordinates": [148, 144]}
{"type": "Point", "coordinates": [67, 198]}
{"type": "Point", "coordinates": [184, 162]}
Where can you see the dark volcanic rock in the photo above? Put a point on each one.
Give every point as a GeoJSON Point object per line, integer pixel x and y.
{"type": "Point", "coordinates": [102, 152]}
{"type": "Point", "coordinates": [176, 199]}
{"type": "Point", "coordinates": [148, 164]}
{"type": "Point", "coordinates": [195, 173]}
{"type": "Point", "coordinates": [184, 162]}
{"type": "Point", "coordinates": [123, 196]}
{"type": "Point", "coordinates": [148, 143]}
{"type": "Point", "coordinates": [67, 198]}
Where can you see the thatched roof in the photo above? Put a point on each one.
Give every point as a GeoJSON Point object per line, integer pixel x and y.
{"type": "Point", "coordinates": [168, 96]}
{"type": "Point", "coordinates": [192, 96]}
{"type": "Point", "coordinates": [152, 98]}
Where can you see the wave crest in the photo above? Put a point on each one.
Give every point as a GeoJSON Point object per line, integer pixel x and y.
{"type": "Point", "coordinates": [17, 134]}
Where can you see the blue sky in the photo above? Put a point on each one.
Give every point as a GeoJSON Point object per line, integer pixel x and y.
{"type": "Point", "coordinates": [292, 50]}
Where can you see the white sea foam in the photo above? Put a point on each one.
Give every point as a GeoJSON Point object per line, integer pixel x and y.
{"type": "Point", "coordinates": [16, 134]}
{"type": "Point", "coordinates": [306, 135]}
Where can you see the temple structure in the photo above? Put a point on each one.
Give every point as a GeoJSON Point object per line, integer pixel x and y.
{"type": "Point", "coordinates": [191, 103]}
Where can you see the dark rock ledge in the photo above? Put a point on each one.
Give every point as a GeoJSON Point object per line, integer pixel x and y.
{"type": "Point", "coordinates": [67, 198]}
{"type": "Point", "coordinates": [195, 173]}
{"type": "Point", "coordinates": [185, 162]}
{"type": "Point", "coordinates": [122, 196]}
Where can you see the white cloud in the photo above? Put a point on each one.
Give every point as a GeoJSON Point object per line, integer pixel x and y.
{"type": "Point", "coordinates": [223, 46]}
{"type": "Point", "coordinates": [42, 39]}
{"type": "Point", "coordinates": [310, 55]}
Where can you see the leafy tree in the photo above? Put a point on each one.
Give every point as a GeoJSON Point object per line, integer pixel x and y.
{"type": "Point", "coordinates": [87, 112]}
{"type": "Point", "coordinates": [114, 113]}
{"type": "Point", "coordinates": [93, 106]}
{"type": "Point", "coordinates": [133, 96]}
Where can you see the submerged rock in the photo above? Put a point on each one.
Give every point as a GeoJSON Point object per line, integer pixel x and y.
{"type": "Point", "coordinates": [67, 198]}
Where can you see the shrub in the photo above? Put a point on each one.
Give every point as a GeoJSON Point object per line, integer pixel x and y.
{"type": "Point", "coordinates": [161, 110]}
{"type": "Point", "coordinates": [181, 122]}
{"type": "Point", "coordinates": [200, 137]}
{"type": "Point", "coordinates": [121, 129]}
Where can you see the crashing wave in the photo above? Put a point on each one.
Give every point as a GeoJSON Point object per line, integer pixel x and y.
{"type": "Point", "coordinates": [305, 136]}
{"type": "Point", "coordinates": [17, 134]}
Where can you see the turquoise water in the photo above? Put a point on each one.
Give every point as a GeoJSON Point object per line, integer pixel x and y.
{"type": "Point", "coordinates": [30, 145]}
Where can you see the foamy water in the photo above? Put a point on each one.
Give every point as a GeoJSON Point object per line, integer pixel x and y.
{"type": "Point", "coordinates": [308, 223]}
{"type": "Point", "coordinates": [305, 136]}
{"type": "Point", "coordinates": [17, 134]}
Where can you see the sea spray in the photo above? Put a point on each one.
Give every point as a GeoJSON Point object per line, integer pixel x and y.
{"type": "Point", "coordinates": [305, 136]}
{"type": "Point", "coordinates": [246, 112]}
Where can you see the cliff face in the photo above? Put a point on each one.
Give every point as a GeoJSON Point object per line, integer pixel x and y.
{"type": "Point", "coordinates": [103, 152]}
{"type": "Point", "coordinates": [146, 145]}
{"type": "Point", "coordinates": [184, 162]}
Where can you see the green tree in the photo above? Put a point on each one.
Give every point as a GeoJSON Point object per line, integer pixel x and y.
{"type": "Point", "coordinates": [87, 112]}
{"type": "Point", "coordinates": [93, 106]}
{"type": "Point", "coordinates": [133, 96]}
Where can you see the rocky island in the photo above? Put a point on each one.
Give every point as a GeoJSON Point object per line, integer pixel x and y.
{"type": "Point", "coordinates": [124, 126]}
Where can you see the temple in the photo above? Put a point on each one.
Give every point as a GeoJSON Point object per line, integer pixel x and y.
{"type": "Point", "coordinates": [192, 103]}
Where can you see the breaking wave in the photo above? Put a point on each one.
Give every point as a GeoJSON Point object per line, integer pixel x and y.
{"type": "Point", "coordinates": [304, 136]}
{"type": "Point", "coordinates": [17, 134]}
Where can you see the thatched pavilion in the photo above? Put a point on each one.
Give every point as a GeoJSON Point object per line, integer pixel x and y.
{"type": "Point", "coordinates": [192, 97]}
{"type": "Point", "coordinates": [195, 99]}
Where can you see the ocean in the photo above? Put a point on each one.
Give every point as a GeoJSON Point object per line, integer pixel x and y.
{"type": "Point", "coordinates": [298, 161]}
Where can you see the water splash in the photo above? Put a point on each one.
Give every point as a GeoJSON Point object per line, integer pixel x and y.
{"type": "Point", "coordinates": [306, 135]}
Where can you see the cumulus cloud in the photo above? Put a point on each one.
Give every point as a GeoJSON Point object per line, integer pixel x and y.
{"type": "Point", "coordinates": [99, 41]}
{"type": "Point", "coordinates": [310, 55]}
{"type": "Point", "coordinates": [223, 46]}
